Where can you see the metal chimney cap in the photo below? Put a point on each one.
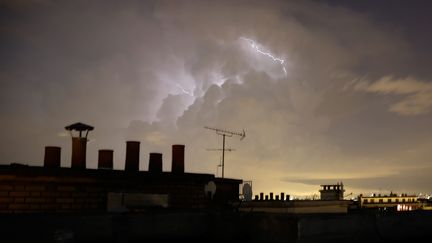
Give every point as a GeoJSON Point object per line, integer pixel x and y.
{"type": "Point", "coordinates": [79, 127]}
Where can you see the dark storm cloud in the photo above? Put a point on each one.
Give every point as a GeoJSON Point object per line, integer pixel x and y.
{"type": "Point", "coordinates": [159, 71]}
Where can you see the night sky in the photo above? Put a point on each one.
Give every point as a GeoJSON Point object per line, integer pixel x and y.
{"type": "Point", "coordinates": [327, 91]}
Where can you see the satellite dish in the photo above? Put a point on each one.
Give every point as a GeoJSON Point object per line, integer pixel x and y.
{"type": "Point", "coordinates": [247, 192]}
{"type": "Point", "coordinates": [210, 189]}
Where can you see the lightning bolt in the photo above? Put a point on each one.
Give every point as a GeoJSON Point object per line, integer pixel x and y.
{"type": "Point", "coordinates": [253, 44]}
{"type": "Point", "coordinates": [184, 90]}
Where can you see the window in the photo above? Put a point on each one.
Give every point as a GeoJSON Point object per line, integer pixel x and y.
{"type": "Point", "coordinates": [365, 200]}
{"type": "Point", "coordinates": [397, 200]}
{"type": "Point", "coordinates": [389, 200]}
{"type": "Point", "coordinates": [381, 200]}
{"type": "Point", "coordinates": [403, 200]}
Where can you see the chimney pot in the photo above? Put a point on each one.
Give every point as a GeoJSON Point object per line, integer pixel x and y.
{"type": "Point", "coordinates": [155, 162]}
{"type": "Point", "coordinates": [132, 156]}
{"type": "Point", "coordinates": [178, 158]}
{"type": "Point", "coordinates": [79, 143]}
{"type": "Point", "coordinates": [52, 157]}
{"type": "Point", "coordinates": [105, 159]}
{"type": "Point", "coordinates": [79, 147]}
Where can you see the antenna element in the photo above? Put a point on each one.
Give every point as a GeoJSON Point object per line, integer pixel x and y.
{"type": "Point", "coordinates": [226, 133]}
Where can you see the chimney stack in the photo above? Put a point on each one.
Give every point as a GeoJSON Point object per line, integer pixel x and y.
{"type": "Point", "coordinates": [79, 150]}
{"type": "Point", "coordinates": [155, 163]}
{"type": "Point", "coordinates": [79, 143]}
{"type": "Point", "coordinates": [52, 157]}
{"type": "Point", "coordinates": [105, 159]}
{"type": "Point", "coordinates": [177, 158]}
{"type": "Point", "coordinates": [132, 156]}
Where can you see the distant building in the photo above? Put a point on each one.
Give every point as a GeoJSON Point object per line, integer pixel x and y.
{"type": "Point", "coordinates": [394, 202]}
{"type": "Point", "coordinates": [332, 192]}
{"type": "Point", "coordinates": [331, 202]}
{"type": "Point", "coordinates": [426, 203]}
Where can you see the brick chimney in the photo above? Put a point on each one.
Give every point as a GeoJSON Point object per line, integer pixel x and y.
{"type": "Point", "coordinates": [105, 159]}
{"type": "Point", "coordinates": [177, 158]}
{"type": "Point", "coordinates": [79, 132]}
{"type": "Point", "coordinates": [52, 157]}
{"type": "Point", "coordinates": [132, 156]}
{"type": "Point", "coordinates": [155, 162]}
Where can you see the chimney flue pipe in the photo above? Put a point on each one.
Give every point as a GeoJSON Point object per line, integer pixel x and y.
{"type": "Point", "coordinates": [79, 132]}
{"type": "Point", "coordinates": [132, 156]}
{"type": "Point", "coordinates": [177, 158]}
{"type": "Point", "coordinates": [155, 162]}
{"type": "Point", "coordinates": [105, 159]}
{"type": "Point", "coordinates": [79, 148]}
{"type": "Point", "coordinates": [52, 157]}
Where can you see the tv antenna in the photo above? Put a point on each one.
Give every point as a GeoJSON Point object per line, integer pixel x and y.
{"type": "Point", "coordinates": [227, 149]}
{"type": "Point", "coordinates": [225, 133]}
{"type": "Point", "coordinates": [220, 162]}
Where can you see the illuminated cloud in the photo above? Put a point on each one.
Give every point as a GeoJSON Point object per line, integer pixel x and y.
{"type": "Point", "coordinates": [159, 71]}
{"type": "Point", "coordinates": [155, 137]}
{"type": "Point", "coordinates": [416, 95]}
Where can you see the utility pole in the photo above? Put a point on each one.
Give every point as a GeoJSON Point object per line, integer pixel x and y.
{"type": "Point", "coordinates": [226, 133]}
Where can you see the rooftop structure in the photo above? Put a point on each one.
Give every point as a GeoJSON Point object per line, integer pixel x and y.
{"type": "Point", "coordinates": [332, 192]}
{"type": "Point", "coordinates": [403, 202]}
{"type": "Point", "coordinates": [79, 143]}
{"type": "Point", "coordinates": [52, 188]}
{"type": "Point", "coordinates": [331, 202]}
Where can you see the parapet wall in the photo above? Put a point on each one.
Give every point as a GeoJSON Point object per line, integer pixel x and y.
{"type": "Point", "coordinates": [41, 189]}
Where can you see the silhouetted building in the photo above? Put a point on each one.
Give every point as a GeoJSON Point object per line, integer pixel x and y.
{"type": "Point", "coordinates": [28, 192]}
{"type": "Point", "coordinates": [332, 192]}
{"type": "Point", "coordinates": [54, 189]}
{"type": "Point", "coordinates": [333, 202]}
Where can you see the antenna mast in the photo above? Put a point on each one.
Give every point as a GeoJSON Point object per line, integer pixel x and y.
{"type": "Point", "coordinates": [226, 133]}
